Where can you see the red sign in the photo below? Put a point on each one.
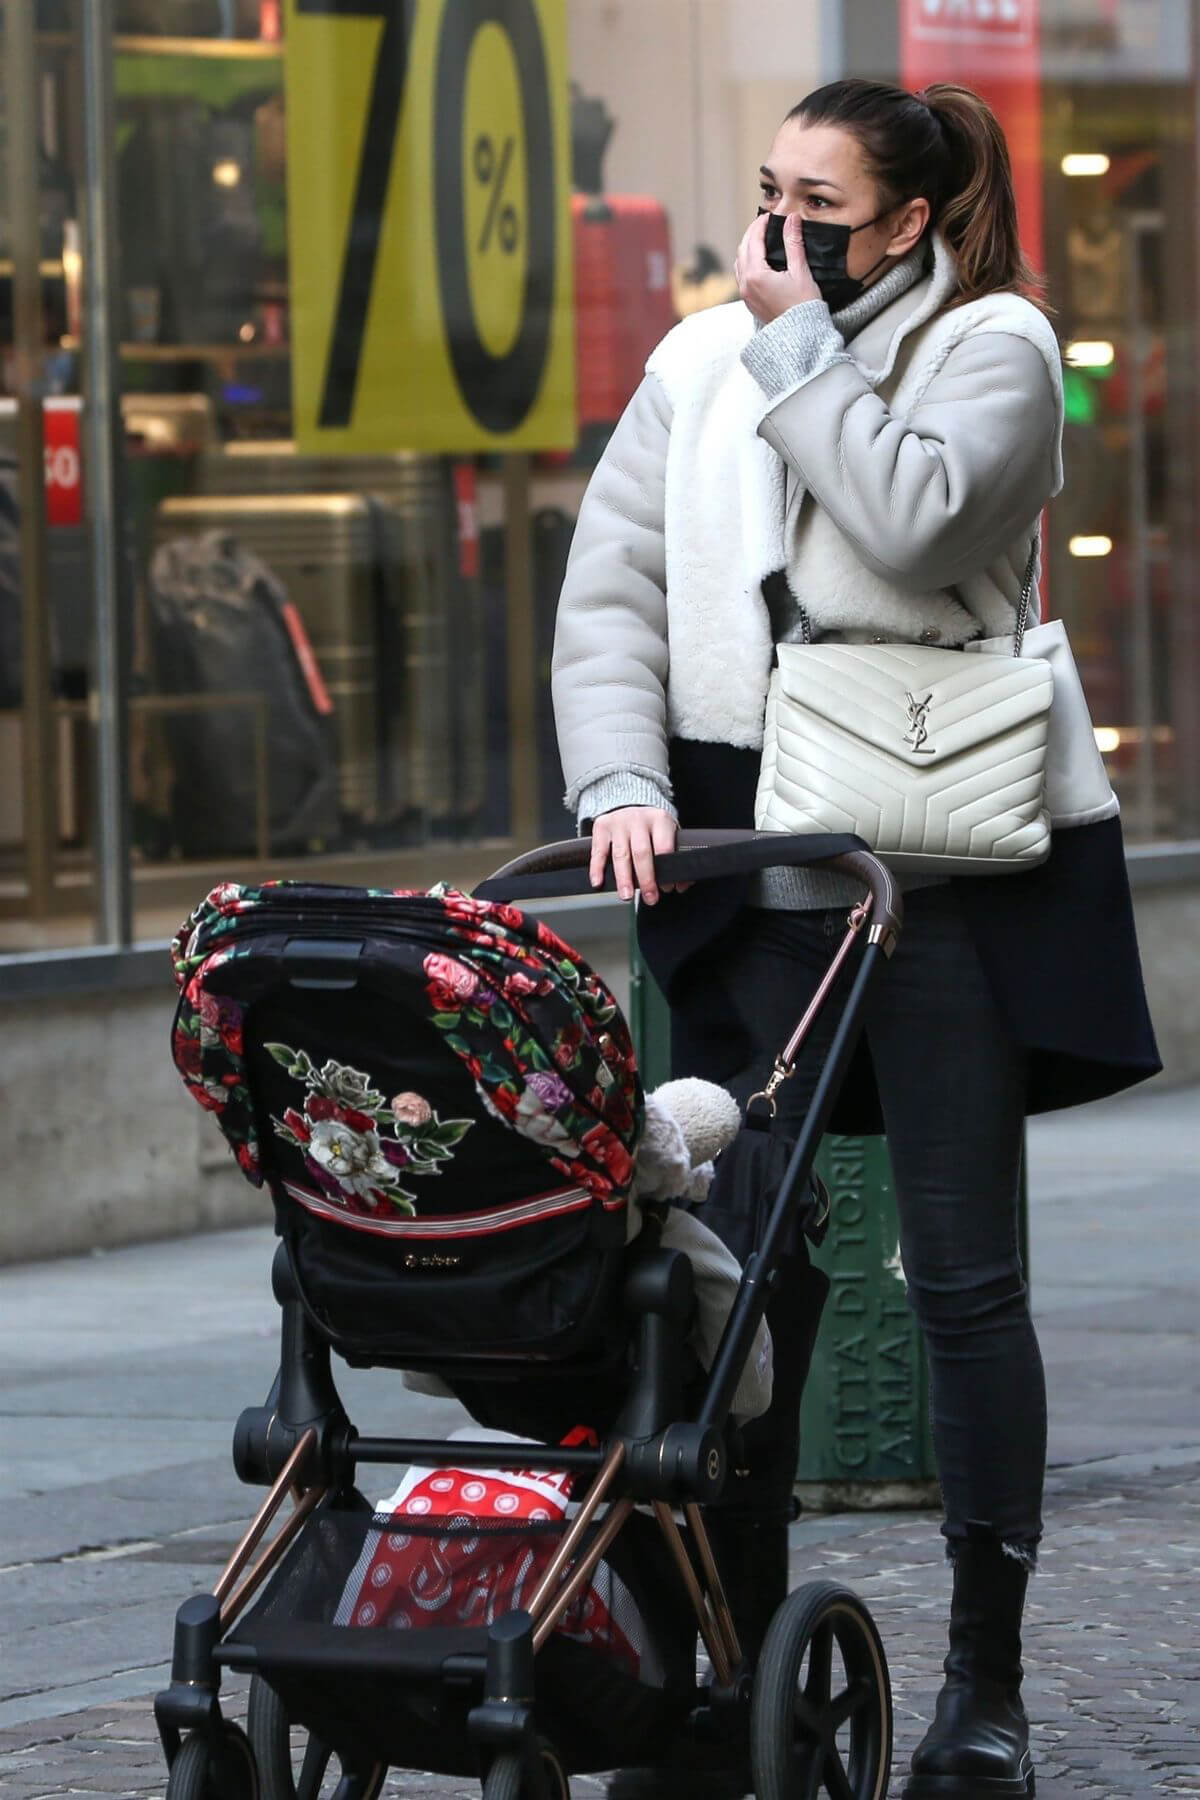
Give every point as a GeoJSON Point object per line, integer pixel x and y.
{"type": "Point", "coordinates": [981, 22]}
{"type": "Point", "coordinates": [468, 519]}
{"type": "Point", "coordinates": [64, 482]}
{"type": "Point", "coordinates": [993, 47]}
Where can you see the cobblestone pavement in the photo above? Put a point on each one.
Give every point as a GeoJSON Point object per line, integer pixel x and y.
{"type": "Point", "coordinates": [1113, 1650]}
{"type": "Point", "coordinates": [120, 1377]}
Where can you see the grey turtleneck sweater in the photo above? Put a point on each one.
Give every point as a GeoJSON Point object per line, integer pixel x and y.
{"type": "Point", "coordinates": [804, 340]}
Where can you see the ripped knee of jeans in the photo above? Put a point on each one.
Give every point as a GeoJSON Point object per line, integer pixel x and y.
{"type": "Point", "coordinates": [1023, 1550]}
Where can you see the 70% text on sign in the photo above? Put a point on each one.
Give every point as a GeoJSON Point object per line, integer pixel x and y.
{"type": "Point", "coordinates": [488, 176]}
{"type": "Point", "coordinates": [432, 258]}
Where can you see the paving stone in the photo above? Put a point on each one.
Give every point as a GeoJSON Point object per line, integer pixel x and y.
{"type": "Point", "coordinates": [1112, 1661]}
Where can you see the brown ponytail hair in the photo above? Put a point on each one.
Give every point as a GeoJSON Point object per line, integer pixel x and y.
{"type": "Point", "coordinates": [944, 144]}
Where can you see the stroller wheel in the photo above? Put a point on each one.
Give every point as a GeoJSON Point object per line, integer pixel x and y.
{"type": "Point", "coordinates": [294, 1765]}
{"type": "Point", "coordinates": [821, 1709]}
{"type": "Point", "coordinates": [506, 1778]}
{"type": "Point", "coordinates": [225, 1770]}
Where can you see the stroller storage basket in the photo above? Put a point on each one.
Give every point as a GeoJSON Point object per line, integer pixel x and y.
{"type": "Point", "coordinates": [374, 1628]}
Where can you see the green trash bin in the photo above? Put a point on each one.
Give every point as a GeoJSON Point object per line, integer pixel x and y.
{"type": "Point", "coordinates": [864, 1423]}
{"type": "Point", "coordinates": [865, 1437]}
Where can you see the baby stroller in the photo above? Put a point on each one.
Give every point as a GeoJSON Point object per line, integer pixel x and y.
{"type": "Point", "coordinates": [443, 1101]}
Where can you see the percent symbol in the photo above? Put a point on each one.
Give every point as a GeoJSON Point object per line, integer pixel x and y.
{"type": "Point", "coordinates": [502, 219]}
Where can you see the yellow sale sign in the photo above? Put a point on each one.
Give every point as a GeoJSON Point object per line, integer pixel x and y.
{"type": "Point", "coordinates": [429, 225]}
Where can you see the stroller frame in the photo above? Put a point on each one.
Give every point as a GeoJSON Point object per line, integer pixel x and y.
{"type": "Point", "coordinates": [303, 1445]}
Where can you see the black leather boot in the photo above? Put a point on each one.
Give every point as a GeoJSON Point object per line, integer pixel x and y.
{"type": "Point", "coordinates": [978, 1743]}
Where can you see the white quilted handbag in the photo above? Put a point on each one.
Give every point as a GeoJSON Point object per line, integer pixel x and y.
{"type": "Point", "coordinates": [937, 760]}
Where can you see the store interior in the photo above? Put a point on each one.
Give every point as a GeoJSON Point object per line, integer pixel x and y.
{"type": "Point", "coordinates": [342, 663]}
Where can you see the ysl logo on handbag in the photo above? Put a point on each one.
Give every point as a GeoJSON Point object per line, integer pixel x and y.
{"type": "Point", "coordinates": [916, 733]}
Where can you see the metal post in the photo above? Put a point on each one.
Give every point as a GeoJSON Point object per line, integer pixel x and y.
{"type": "Point", "coordinates": [524, 810]}
{"type": "Point", "coordinates": [39, 785]}
{"type": "Point", "coordinates": [103, 451]}
{"type": "Point", "coordinates": [1181, 165]}
{"type": "Point", "coordinates": [1140, 597]}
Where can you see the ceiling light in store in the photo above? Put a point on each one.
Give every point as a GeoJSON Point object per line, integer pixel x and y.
{"type": "Point", "coordinates": [1089, 353]}
{"type": "Point", "coordinates": [1117, 737]}
{"type": "Point", "coordinates": [1090, 546]}
{"type": "Point", "coordinates": [227, 173]}
{"type": "Point", "coordinates": [1085, 162]}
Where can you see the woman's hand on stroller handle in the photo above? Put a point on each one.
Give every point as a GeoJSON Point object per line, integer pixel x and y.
{"type": "Point", "coordinates": [577, 865]}
{"type": "Point", "coordinates": [632, 835]}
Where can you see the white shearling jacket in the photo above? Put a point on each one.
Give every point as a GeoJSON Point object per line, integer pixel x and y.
{"type": "Point", "coordinates": [898, 482]}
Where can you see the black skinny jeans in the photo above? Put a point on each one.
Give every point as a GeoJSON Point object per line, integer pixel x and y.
{"type": "Point", "coordinates": [951, 1083]}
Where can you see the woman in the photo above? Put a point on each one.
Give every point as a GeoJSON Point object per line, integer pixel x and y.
{"type": "Point", "coordinates": [873, 432]}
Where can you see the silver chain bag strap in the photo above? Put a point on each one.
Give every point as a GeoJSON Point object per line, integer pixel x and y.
{"type": "Point", "coordinates": [937, 760]}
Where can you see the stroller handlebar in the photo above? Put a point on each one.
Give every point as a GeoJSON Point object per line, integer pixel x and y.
{"type": "Point", "coordinates": [561, 869]}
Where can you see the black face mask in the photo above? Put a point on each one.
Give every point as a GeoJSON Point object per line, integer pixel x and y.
{"type": "Point", "coordinates": [825, 246]}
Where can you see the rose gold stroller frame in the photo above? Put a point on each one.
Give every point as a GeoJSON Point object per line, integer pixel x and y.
{"type": "Point", "coordinates": [564, 1579]}
{"type": "Point", "coordinates": [232, 1599]}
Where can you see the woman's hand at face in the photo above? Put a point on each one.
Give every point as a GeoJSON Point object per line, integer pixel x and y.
{"type": "Point", "coordinates": [771, 292]}
{"type": "Point", "coordinates": [632, 835]}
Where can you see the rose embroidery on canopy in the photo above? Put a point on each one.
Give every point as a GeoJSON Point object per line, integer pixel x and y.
{"type": "Point", "coordinates": [356, 1143]}
{"type": "Point", "coordinates": [523, 1060]}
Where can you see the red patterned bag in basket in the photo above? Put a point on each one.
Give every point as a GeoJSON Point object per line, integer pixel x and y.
{"type": "Point", "coordinates": [458, 1547]}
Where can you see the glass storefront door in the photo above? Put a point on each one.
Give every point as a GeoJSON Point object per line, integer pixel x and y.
{"type": "Point", "coordinates": [45, 613]}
